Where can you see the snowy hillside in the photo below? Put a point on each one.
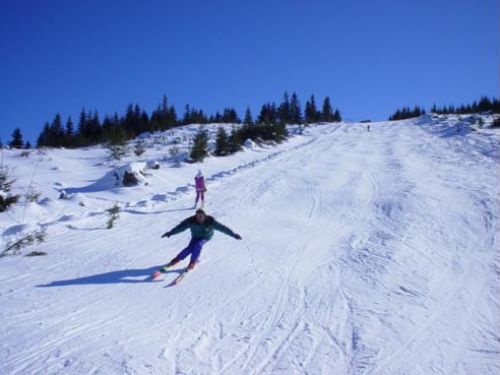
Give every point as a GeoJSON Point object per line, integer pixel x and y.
{"type": "Point", "coordinates": [362, 253]}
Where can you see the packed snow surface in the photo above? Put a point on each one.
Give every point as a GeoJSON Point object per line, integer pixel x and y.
{"type": "Point", "coordinates": [362, 253]}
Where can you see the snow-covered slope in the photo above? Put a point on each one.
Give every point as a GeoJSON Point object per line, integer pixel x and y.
{"type": "Point", "coordinates": [362, 253]}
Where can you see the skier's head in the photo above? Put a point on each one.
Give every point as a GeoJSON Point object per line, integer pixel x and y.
{"type": "Point", "coordinates": [200, 215]}
{"type": "Point", "coordinates": [199, 173]}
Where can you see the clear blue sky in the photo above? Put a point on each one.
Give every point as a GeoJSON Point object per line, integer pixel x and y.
{"type": "Point", "coordinates": [370, 56]}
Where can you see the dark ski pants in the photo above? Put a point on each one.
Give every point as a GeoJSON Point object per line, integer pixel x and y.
{"type": "Point", "coordinates": [193, 248]}
{"type": "Point", "coordinates": [199, 194]}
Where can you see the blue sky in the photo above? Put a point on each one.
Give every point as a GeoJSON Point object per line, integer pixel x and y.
{"type": "Point", "coordinates": [370, 57]}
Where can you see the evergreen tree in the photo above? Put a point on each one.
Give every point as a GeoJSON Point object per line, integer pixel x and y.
{"type": "Point", "coordinates": [235, 141]}
{"type": "Point", "coordinates": [248, 117]}
{"type": "Point", "coordinates": [117, 144]}
{"type": "Point", "coordinates": [327, 111]}
{"type": "Point", "coordinates": [336, 116]}
{"type": "Point", "coordinates": [56, 132]}
{"type": "Point", "coordinates": [199, 149]}
{"type": "Point", "coordinates": [27, 146]}
{"type": "Point", "coordinates": [44, 136]}
{"type": "Point", "coordinates": [94, 131]}
{"type": "Point", "coordinates": [82, 124]}
{"type": "Point", "coordinates": [70, 129]}
{"type": "Point", "coordinates": [217, 119]}
{"type": "Point", "coordinates": [230, 116]}
{"type": "Point", "coordinates": [268, 114]}
{"type": "Point", "coordinates": [295, 110]}
{"type": "Point", "coordinates": [484, 104]}
{"type": "Point", "coordinates": [69, 133]}
{"type": "Point", "coordinates": [406, 113]}
{"type": "Point", "coordinates": [284, 110]}
{"type": "Point", "coordinates": [17, 139]}
{"type": "Point", "coordinates": [311, 113]}
{"type": "Point", "coordinates": [186, 119]}
{"type": "Point", "coordinates": [221, 142]}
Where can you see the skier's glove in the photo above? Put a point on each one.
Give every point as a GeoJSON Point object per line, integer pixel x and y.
{"type": "Point", "coordinates": [237, 236]}
{"type": "Point", "coordinates": [165, 235]}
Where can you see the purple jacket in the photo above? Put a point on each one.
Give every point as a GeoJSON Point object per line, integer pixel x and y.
{"type": "Point", "coordinates": [199, 183]}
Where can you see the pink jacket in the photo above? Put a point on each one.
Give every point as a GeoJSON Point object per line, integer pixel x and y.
{"type": "Point", "coordinates": [199, 183]}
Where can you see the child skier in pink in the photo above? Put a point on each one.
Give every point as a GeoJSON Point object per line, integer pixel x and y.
{"type": "Point", "coordinates": [199, 183]}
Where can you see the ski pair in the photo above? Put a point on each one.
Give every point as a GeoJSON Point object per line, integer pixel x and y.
{"type": "Point", "coordinates": [157, 274]}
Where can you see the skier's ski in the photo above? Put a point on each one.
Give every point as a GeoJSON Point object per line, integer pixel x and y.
{"type": "Point", "coordinates": [179, 278]}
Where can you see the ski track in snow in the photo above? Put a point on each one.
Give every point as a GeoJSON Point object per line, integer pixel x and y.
{"type": "Point", "coordinates": [362, 253]}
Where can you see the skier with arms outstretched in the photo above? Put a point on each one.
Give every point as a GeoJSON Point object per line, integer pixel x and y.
{"type": "Point", "coordinates": [202, 228]}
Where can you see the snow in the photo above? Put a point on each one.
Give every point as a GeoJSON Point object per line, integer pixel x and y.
{"type": "Point", "coordinates": [362, 253]}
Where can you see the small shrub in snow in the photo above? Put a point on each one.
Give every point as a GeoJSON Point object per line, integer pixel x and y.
{"type": "Point", "coordinates": [31, 194]}
{"type": "Point", "coordinates": [14, 247]}
{"type": "Point", "coordinates": [118, 151]}
{"type": "Point", "coordinates": [174, 151]}
{"type": "Point", "coordinates": [139, 148]}
{"type": "Point", "coordinates": [36, 254]}
{"type": "Point", "coordinates": [6, 181]}
{"type": "Point", "coordinates": [24, 154]}
{"type": "Point", "coordinates": [496, 123]}
{"type": "Point", "coordinates": [6, 201]}
{"type": "Point", "coordinates": [113, 214]}
{"type": "Point", "coordinates": [176, 155]}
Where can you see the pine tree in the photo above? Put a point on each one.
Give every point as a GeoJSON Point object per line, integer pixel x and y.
{"type": "Point", "coordinates": [186, 119]}
{"type": "Point", "coordinates": [268, 114]}
{"type": "Point", "coordinates": [56, 132]}
{"type": "Point", "coordinates": [336, 116]}
{"type": "Point", "coordinates": [221, 142]}
{"type": "Point", "coordinates": [44, 136]}
{"type": "Point", "coordinates": [69, 133]}
{"type": "Point", "coordinates": [70, 129]}
{"type": "Point", "coordinates": [295, 110]}
{"type": "Point", "coordinates": [327, 111]}
{"type": "Point", "coordinates": [235, 141]}
{"type": "Point", "coordinates": [82, 122]}
{"type": "Point", "coordinates": [284, 110]}
{"type": "Point", "coordinates": [248, 117]}
{"type": "Point", "coordinates": [17, 139]}
{"type": "Point", "coordinates": [199, 149]}
{"type": "Point", "coordinates": [230, 116]}
{"type": "Point", "coordinates": [311, 113]}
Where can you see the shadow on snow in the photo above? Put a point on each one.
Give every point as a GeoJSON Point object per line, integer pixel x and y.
{"type": "Point", "coordinates": [128, 276]}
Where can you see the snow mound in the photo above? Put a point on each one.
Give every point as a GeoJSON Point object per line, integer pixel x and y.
{"type": "Point", "coordinates": [131, 174]}
{"type": "Point", "coordinates": [249, 144]}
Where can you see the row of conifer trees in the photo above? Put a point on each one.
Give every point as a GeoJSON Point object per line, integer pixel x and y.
{"type": "Point", "coordinates": [91, 130]}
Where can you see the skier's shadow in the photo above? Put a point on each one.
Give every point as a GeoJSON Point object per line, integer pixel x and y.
{"type": "Point", "coordinates": [128, 276]}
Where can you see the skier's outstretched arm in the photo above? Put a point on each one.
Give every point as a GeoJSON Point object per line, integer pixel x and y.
{"type": "Point", "coordinates": [222, 228]}
{"type": "Point", "coordinates": [178, 229]}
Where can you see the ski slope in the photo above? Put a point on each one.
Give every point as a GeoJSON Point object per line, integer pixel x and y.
{"type": "Point", "coordinates": [362, 253]}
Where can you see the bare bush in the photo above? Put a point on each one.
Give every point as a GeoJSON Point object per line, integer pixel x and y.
{"type": "Point", "coordinates": [14, 247]}
{"type": "Point", "coordinates": [113, 214]}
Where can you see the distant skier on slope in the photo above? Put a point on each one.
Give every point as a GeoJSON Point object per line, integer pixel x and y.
{"type": "Point", "coordinates": [202, 229]}
{"type": "Point", "coordinates": [199, 183]}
